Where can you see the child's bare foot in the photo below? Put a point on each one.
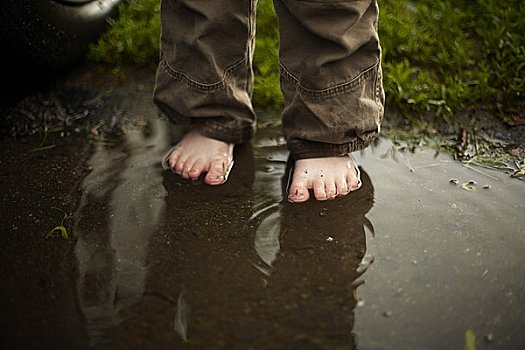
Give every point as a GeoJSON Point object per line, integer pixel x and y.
{"type": "Point", "coordinates": [327, 177]}
{"type": "Point", "coordinates": [196, 154]}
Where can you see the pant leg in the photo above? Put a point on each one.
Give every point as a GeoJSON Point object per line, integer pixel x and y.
{"type": "Point", "coordinates": [330, 75]}
{"type": "Point", "coordinates": [205, 77]}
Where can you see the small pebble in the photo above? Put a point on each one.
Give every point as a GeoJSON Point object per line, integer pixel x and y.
{"type": "Point", "coordinates": [489, 338]}
{"type": "Point", "coordinates": [387, 313]}
{"type": "Point", "coordinates": [486, 187]}
{"type": "Point", "coordinates": [472, 182]}
{"type": "Point", "coordinates": [454, 181]}
{"type": "Point", "coordinates": [329, 239]}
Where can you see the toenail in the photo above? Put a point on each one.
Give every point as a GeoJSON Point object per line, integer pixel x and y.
{"type": "Point", "coordinates": [295, 195]}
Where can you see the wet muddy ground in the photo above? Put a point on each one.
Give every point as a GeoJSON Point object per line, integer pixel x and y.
{"type": "Point", "coordinates": [102, 248]}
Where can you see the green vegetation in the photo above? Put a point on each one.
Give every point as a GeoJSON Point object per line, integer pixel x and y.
{"type": "Point", "coordinates": [266, 90]}
{"type": "Point", "coordinates": [59, 230]}
{"type": "Point", "coordinates": [443, 60]}
{"type": "Point", "coordinates": [444, 57]}
{"type": "Point", "coordinates": [470, 340]}
{"type": "Point", "coordinates": [133, 38]}
{"type": "Point", "coordinates": [453, 56]}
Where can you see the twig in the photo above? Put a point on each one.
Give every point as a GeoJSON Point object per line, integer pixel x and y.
{"type": "Point", "coordinates": [410, 166]}
{"type": "Point", "coordinates": [480, 172]}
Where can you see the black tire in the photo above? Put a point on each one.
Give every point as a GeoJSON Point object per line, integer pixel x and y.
{"type": "Point", "coordinates": [42, 40]}
{"type": "Point", "coordinates": [49, 35]}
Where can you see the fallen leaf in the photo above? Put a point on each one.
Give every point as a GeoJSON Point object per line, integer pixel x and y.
{"type": "Point", "coordinates": [468, 186]}
{"type": "Point", "coordinates": [470, 340]}
{"type": "Point", "coordinates": [61, 230]}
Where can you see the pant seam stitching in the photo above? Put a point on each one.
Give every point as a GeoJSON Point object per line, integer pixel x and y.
{"type": "Point", "coordinates": [176, 74]}
{"type": "Point", "coordinates": [333, 90]}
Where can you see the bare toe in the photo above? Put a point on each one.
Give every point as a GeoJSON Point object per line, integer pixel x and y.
{"type": "Point", "coordinates": [330, 189]}
{"type": "Point", "coordinates": [173, 158]}
{"type": "Point", "coordinates": [217, 173]}
{"type": "Point", "coordinates": [298, 191]}
{"type": "Point", "coordinates": [341, 186]}
{"type": "Point", "coordinates": [328, 177]}
{"type": "Point", "coordinates": [319, 190]}
{"type": "Point", "coordinates": [353, 182]}
{"type": "Point", "coordinates": [298, 194]}
{"type": "Point", "coordinates": [188, 165]}
{"type": "Point", "coordinates": [196, 154]}
{"type": "Point", "coordinates": [196, 171]}
{"type": "Point", "coordinates": [179, 165]}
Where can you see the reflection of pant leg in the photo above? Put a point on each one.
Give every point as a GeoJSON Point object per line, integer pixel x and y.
{"type": "Point", "coordinates": [330, 75]}
{"type": "Point", "coordinates": [205, 77]}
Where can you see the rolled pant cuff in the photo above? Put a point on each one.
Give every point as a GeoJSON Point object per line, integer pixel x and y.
{"type": "Point", "coordinates": [302, 149]}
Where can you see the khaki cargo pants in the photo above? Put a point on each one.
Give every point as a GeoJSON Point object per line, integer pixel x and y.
{"type": "Point", "coordinates": [329, 66]}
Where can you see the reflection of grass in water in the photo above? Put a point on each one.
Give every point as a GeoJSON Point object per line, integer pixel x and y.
{"type": "Point", "coordinates": [441, 59]}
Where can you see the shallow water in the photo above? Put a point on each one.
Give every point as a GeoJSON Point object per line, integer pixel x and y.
{"type": "Point", "coordinates": [409, 261]}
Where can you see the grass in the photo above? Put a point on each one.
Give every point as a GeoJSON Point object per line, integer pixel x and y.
{"type": "Point", "coordinates": [443, 61]}
{"type": "Point", "coordinates": [132, 38]}
{"type": "Point", "coordinates": [448, 57]}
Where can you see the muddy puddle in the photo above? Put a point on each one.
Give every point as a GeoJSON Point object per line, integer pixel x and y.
{"type": "Point", "coordinates": [428, 254]}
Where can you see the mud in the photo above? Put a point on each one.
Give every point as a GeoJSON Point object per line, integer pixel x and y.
{"type": "Point", "coordinates": [412, 260]}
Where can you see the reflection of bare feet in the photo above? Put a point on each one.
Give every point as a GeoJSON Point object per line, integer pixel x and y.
{"type": "Point", "coordinates": [196, 154]}
{"type": "Point", "coordinates": [327, 177]}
